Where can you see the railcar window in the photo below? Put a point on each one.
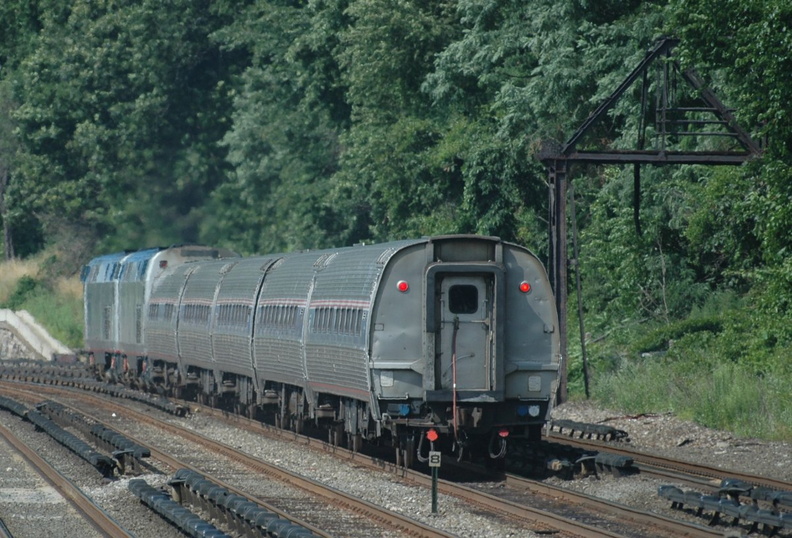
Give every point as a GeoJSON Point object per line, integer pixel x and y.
{"type": "Point", "coordinates": [275, 316]}
{"type": "Point", "coordinates": [225, 315]}
{"type": "Point", "coordinates": [359, 322]}
{"type": "Point", "coordinates": [334, 320]}
{"type": "Point", "coordinates": [141, 272]}
{"type": "Point", "coordinates": [463, 299]}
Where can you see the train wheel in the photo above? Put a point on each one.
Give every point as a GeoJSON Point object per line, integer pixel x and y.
{"type": "Point", "coordinates": [336, 434]}
{"type": "Point", "coordinates": [409, 452]}
{"type": "Point", "coordinates": [355, 442]}
{"type": "Point", "coordinates": [534, 433]}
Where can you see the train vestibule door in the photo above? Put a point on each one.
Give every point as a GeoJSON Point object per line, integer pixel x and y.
{"type": "Point", "coordinates": [465, 345]}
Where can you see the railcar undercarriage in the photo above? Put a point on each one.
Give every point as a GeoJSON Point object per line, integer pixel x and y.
{"type": "Point", "coordinates": [411, 430]}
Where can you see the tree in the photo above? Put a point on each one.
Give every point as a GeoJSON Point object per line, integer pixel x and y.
{"type": "Point", "coordinates": [122, 106]}
{"type": "Point", "coordinates": [283, 142]}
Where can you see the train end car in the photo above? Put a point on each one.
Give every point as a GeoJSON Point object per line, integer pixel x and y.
{"type": "Point", "coordinates": [464, 344]}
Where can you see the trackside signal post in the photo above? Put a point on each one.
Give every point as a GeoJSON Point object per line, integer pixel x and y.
{"type": "Point", "coordinates": [673, 120]}
{"type": "Point", "coordinates": [434, 465]}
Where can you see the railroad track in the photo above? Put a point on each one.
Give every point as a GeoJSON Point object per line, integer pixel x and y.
{"type": "Point", "coordinates": [721, 495]}
{"type": "Point", "coordinates": [665, 467]}
{"type": "Point", "coordinates": [83, 503]}
{"type": "Point", "coordinates": [621, 521]}
{"type": "Point", "coordinates": [366, 519]}
{"type": "Point", "coordinates": [527, 517]}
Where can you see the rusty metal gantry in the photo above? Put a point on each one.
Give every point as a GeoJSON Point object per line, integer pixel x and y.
{"type": "Point", "coordinates": [671, 122]}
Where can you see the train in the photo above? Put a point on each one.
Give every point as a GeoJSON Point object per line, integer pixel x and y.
{"type": "Point", "coordinates": [446, 343]}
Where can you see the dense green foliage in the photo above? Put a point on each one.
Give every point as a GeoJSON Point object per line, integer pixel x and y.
{"type": "Point", "coordinates": [268, 125]}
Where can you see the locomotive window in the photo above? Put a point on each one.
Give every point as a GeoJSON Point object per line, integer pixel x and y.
{"type": "Point", "coordinates": [463, 299]}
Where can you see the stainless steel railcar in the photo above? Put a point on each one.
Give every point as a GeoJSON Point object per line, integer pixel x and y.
{"type": "Point", "coordinates": [455, 334]}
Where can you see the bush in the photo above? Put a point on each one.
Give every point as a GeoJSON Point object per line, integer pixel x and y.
{"type": "Point", "coordinates": [659, 339]}
{"type": "Point", "coordinates": [60, 312]}
{"type": "Point", "coordinates": [26, 287]}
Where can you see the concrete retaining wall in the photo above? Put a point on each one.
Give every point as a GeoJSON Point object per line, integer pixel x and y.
{"type": "Point", "coordinates": [32, 335]}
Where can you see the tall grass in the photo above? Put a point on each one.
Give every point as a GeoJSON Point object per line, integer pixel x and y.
{"type": "Point", "coordinates": [725, 395]}
{"type": "Point", "coordinates": [12, 271]}
{"type": "Point", "coordinates": [62, 315]}
{"type": "Point", "coordinates": [55, 301]}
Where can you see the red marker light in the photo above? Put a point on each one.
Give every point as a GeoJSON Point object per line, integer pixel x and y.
{"type": "Point", "coordinates": [432, 435]}
{"type": "Point", "coordinates": [525, 287]}
{"type": "Point", "coordinates": [504, 433]}
{"type": "Point", "coordinates": [402, 286]}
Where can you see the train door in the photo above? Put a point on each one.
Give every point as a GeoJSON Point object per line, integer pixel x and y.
{"type": "Point", "coordinates": [464, 353]}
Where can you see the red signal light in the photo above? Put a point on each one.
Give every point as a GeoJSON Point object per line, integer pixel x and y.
{"type": "Point", "coordinates": [504, 433]}
{"type": "Point", "coordinates": [525, 287]}
{"type": "Point", "coordinates": [432, 435]}
{"type": "Point", "coordinates": [402, 286]}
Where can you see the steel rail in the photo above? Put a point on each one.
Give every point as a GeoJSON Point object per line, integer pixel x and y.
{"type": "Point", "coordinates": [403, 525]}
{"type": "Point", "coordinates": [654, 463]}
{"type": "Point", "coordinates": [543, 521]}
{"type": "Point", "coordinates": [665, 526]}
{"type": "Point", "coordinates": [84, 505]}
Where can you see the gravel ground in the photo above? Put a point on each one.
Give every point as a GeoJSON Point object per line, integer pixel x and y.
{"type": "Point", "coordinates": [31, 508]}
{"type": "Point", "coordinates": [666, 434]}
{"type": "Point", "coordinates": [654, 433]}
{"type": "Point", "coordinates": [10, 346]}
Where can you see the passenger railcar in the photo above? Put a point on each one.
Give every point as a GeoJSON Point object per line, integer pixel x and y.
{"type": "Point", "coordinates": [451, 336]}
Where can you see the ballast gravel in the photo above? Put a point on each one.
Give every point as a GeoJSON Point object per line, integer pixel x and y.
{"type": "Point", "coordinates": [33, 509]}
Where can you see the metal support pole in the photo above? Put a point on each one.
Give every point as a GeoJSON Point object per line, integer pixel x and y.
{"type": "Point", "coordinates": [558, 260]}
{"type": "Point", "coordinates": [576, 263]}
{"type": "Point", "coordinates": [434, 489]}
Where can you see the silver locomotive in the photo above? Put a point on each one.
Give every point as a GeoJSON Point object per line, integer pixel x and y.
{"type": "Point", "coordinates": [446, 338]}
